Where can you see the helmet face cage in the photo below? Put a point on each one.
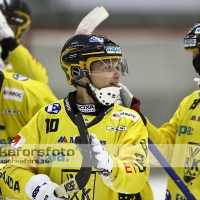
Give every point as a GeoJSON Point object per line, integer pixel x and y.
{"type": "Point", "coordinates": [192, 39]}
{"type": "Point", "coordinates": [77, 57]}
{"type": "Point", "coordinates": [105, 66]}
{"type": "Point", "coordinates": [18, 16]}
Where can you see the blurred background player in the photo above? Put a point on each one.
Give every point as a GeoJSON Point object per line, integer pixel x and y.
{"type": "Point", "coordinates": [15, 20]}
{"type": "Point", "coordinates": [182, 129]}
{"type": "Point", "coordinates": [21, 98]}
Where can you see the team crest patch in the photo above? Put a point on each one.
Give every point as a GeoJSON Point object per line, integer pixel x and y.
{"type": "Point", "coordinates": [20, 77]}
{"type": "Point", "coordinates": [53, 108]}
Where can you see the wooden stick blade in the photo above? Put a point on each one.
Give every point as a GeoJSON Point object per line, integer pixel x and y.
{"type": "Point", "coordinates": [92, 20]}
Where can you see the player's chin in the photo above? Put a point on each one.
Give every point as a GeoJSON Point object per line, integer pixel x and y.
{"type": "Point", "coordinates": [114, 84]}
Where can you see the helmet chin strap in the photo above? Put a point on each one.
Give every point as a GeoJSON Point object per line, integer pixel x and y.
{"type": "Point", "coordinates": [104, 96]}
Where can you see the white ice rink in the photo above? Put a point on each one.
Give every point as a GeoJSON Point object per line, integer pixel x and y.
{"type": "Point", "coordinates": [158, 182]}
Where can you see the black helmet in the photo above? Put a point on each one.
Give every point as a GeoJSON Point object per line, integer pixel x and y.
{"type": "Point", "coordinates": [192, 39]}
{"type": "Point", "coordinates": [80, 52]}
{"type": "Point", "coordinates": [18, 16]}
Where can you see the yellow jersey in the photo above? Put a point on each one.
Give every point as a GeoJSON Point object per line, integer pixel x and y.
{"type": "Point", "coordinates": [45, 146]}
{"type": "Point", "coordinates": [179, 142]}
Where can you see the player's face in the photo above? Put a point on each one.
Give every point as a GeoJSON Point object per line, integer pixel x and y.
{"type": "Point", "coordinates": [105, 73]}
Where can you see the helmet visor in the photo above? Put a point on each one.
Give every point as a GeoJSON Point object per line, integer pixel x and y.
{"type": "Point", "coordinates": [107, 66]}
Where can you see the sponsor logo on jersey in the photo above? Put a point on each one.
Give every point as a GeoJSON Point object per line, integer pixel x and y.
{"type": "Point", "coordinates": [18, 141]}
{"type": "Point", "coordinates": [20, 77]}
{"type": "Point", "coordinates": [86, 108]}
{"type": "Point", "coordinates": [185, 130]}
{"type": "Point", "coordinates": [10, 112]}
{"type": "Point", "coordinates": [96, 39]}
{"type": "Point", "coordinates": [67, 105]}
{"type": "Point", "coordinates": [190, 42]}
{"type": "Point", "coordinates": [53, 108]}
{"type": "Point", "coordinates": [119, 128]}
{"type": "Point", "coordinates": [10, 182]}
{"type": "Point", "coordinates": [126, 114]}
{"type": "Point", "coordinates": [194, 118]}
{"type": "Point", "coordinates": [63, 139]}
{"type": "Point", "coordinates": [113, 50]}
{"type": "Point", "coordinates": [13, 94]}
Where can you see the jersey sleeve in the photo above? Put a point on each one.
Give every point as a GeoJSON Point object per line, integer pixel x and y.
{"type": "Point", "coordinates": [131, 165]}
{"type": "Point", "coordinates": [164, 137]}
{"type": "Point", "coordinates": [25, 64]}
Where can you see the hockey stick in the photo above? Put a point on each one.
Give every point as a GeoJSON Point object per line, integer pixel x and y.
{"type": "Point", "coordinates": [170, 171]}
{"type": "Point", "coordinates": [92, 20]}
{"type": "Point", "coordinates": [86, 26]}
{"type": "Point", "coordinates": [80, 180]}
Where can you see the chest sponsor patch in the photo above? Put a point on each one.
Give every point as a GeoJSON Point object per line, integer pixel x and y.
{"type": "Point", "coordinates": [126, 114]}
{"type": "Point", "coordinates": [53, 108]}
{"type": "Point", "coordinates": [20, 77]}
{"type": "Point", "coordinates": [119, 128]}
{"type": "Point", "coordinates": [13, 94]}
{"type": "Point", "coordinates": [86, 108]}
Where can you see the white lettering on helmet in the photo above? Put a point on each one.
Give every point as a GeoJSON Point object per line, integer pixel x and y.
{"type": "Point", "coordinates": [113, 50]}
{"type": "Point", "coordinates": [96, 39]}
{"type": "Point", "coordinates": [190, 42]}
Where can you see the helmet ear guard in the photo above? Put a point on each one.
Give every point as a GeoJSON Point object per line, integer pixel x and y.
{"type": "Point", "coordinates": [77, 74]}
